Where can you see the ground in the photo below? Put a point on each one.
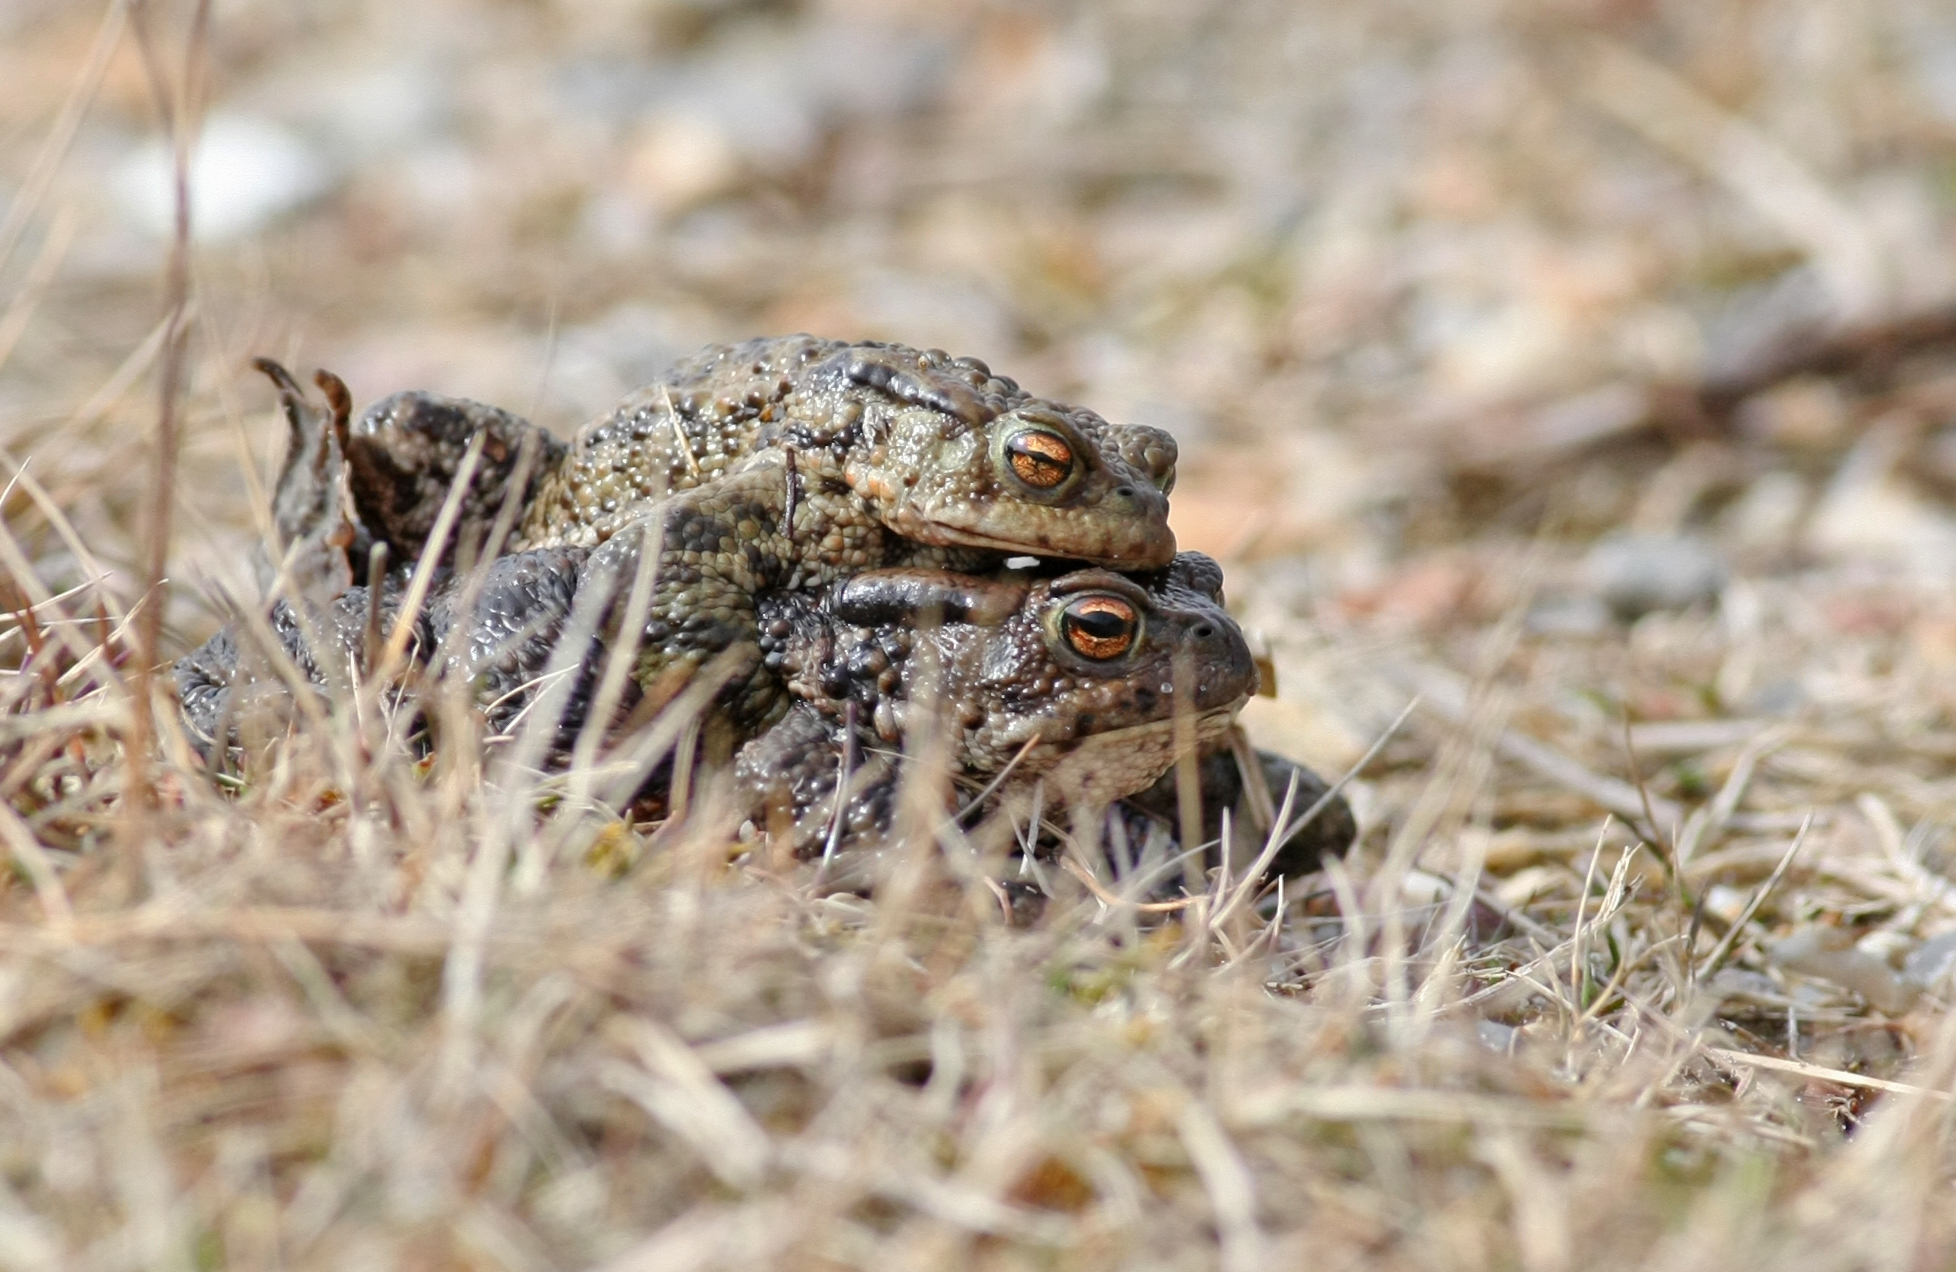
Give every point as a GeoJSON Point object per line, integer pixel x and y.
{"type": "Point", "coordinates": [1488, 331]}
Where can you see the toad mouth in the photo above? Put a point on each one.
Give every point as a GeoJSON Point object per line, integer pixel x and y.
{"type": "Point", "coordinates": [1214, 719]}
{"type": "Point", "coordinates": [1133, 560]}
{"type": "Point", "coordinates": [1142, 752]}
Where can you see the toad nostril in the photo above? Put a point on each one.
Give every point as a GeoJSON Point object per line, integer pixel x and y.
{"type": "Point", "coordinates": [1204, 631]}
{"type": "Point", "coordinates": [1125, 492]}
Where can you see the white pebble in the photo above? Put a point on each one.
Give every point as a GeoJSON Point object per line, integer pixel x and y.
{"type": "Point", "coordinates": [244, 172]}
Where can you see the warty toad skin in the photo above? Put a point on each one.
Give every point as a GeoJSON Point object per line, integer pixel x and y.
{"type": "Point", "coordinates": [783, 465]}
{"type": "Point", "coordinates": [1089, 683]}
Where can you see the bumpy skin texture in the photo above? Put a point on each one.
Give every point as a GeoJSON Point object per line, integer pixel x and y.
{"type": "Point", "coordinates": [230, 676]}
{"type": "Point", "coordinates": [506, 640]}
{"type": "Point", "coordinates": [518, 619]}
{"type": "Point", "coordinates": [784, 464]}
{"type": "Point", "coordinates": [991, 649]}
{"type": "Point", "coordinates": [921, 440]}
{"type": "Point", "coordinates": [404, 452]}
{"type": "Point", "coordinates": [1042, 681]}
{"type": "Point", "coordinates": [799, 464]}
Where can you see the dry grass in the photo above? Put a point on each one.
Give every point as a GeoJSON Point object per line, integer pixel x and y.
{"type": "Point", "coordinates": [1615, 977]}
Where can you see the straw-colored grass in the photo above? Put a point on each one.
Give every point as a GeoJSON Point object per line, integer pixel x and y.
{"type": "Point", "coordinates": [1634, 964]}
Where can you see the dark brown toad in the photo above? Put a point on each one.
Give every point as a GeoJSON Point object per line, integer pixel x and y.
{"type": "Point", "coordinates": [1087, 684]}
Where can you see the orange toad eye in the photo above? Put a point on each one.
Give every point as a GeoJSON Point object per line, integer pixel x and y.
{"type": "Point", "coordinates": [1099, 627]}
{"type": "Point", "coordinates": [1038, 458]}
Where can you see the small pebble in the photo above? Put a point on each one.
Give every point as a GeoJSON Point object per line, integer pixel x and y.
{"type": "Point", "coordinates": [1496, 1036]}
{"type": "Point", "coordinates": [244, 172]}
{"type": "Point", "coordinates": [1725, 903]}
{"type": "Point", "coordinates": [1638, 574]}
{"type": "Point", "coordinates": [1830, 954]}
{"type": "Point", "coordinates": [1569, 617]}
{"type": "Point", "coordinates": [1930, 964]}
{"type": "Point", "coordinates": [1739, 980]}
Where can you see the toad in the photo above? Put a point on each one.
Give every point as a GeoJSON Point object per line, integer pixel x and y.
{"type": "Point", "coordinates": [783, 465]}
{"type": "Point", "coordinates": [1069, 683]}
{"type": "Point", "coordinates": [517, 610]}
{"type": "Point", "coordinates": [1086, 685]}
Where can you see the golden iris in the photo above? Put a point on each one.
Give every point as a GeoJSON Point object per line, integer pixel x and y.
{"type": "Point", "coordinates": [1040, 459]}
{"type": "Point", "coordinates": [1099, 627]}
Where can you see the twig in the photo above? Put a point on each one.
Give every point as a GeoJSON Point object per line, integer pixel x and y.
{"type": "Point", "coordinates": [1715, 816]}
{"type": "Point", "coordinates": [621, 656]}
{"type": "Point", "coordinates": [996, 782]}
{"type": "Point", "coordinates": [1101, 893]}
{"type": "Point", "coordinates": [176, 108]}
{"type": "Point", "coordinates": [1723, 949]}
{"type": "Point", "coordinates": [1230, 1185]}
{"type": "Point", "coordinates": [1725, 1056]}
{"type": "Point", "coordinates": [370, 634]}
{"type": "Point", "coordinates": [845, 762]}
{"type": "Point", "coordinates": [40, 275]}
{"type": "Point", "coordinates": [1582, 902]}
{"type": "Point", "coordinates": [1256, 790]}
{"type": "Point", "coordinates": [684, 442]}
{"type": "Point", "coordinates": [793, 478]}
{"type": "Point", "coordinates": [1650, 815]}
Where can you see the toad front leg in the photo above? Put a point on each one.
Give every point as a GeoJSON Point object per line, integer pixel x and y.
{"type": "Point", "coordinates": [790, 779]}
{"type": "Point", "coordinates": [720, 546]}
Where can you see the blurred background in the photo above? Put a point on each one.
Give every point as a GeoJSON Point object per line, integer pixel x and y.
{"type": "Point", "coordinates": [1584, 368]}
{"type": "Point", "coordinates": [1404, 278]}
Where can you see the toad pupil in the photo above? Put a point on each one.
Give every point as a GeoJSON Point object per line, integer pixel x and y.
{"type": "Point", "coordinates": [1100, 627]}
{"type": "Point", "coordinates": [1041, 460]}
